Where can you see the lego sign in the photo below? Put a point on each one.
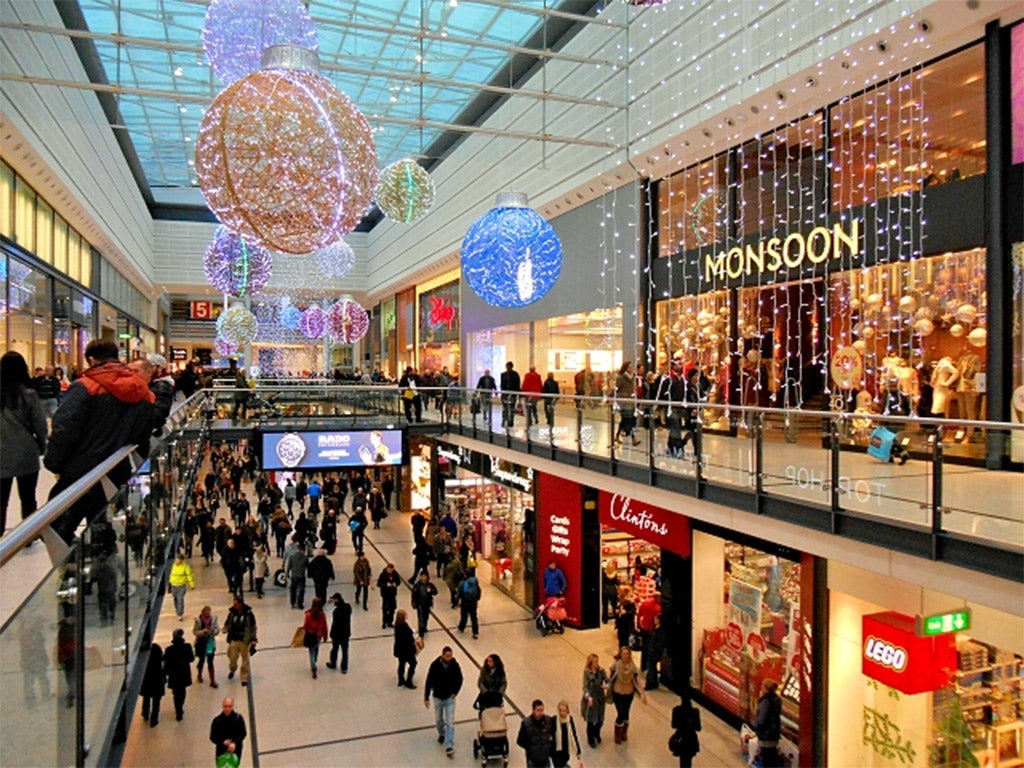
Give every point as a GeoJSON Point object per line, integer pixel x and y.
{"type": "Point", "coordinates": [893, 654]}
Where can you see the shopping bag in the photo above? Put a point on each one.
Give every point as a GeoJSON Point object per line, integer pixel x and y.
{"type": "Point", "coordinates": [227, 760]}
{"type": "Point", "coordinates": [419, 644]}
{"type": "Point", "coordinates": [298, 638]}
{"type": "Point", "coordinates": [880, 444]}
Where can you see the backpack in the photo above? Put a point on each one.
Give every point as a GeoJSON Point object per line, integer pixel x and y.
{"type": "Point", "coordinates": [471, 589]}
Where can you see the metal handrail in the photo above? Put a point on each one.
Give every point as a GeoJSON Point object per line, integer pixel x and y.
{"type": "Point", "coordinates": [29, 529]}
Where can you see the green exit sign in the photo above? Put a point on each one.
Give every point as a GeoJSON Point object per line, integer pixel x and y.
{"type": "Point", "coordinates": [944, 623]}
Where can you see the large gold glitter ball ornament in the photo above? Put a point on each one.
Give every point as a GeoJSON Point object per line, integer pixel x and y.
{"type": "Point", "coordinates": [286, 160]}
{"type": "Point", "coordinates": [405, 191]}
{"type": "Point", "coordinates": [237, 325]}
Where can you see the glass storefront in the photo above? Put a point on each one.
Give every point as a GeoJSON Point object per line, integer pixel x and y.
{"type": "Point", "coordinates": [439, 330]}
{"type": "Point", "coordinates": [809, 242]}
{"type": "Point", "coordinates": [746, 629]}
{"type": "Point", "coordinates": [564, 346]}
{"type": "Point", "coordinates": [939, 697]}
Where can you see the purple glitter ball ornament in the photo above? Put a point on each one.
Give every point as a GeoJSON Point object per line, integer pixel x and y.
{"type": "Point", "coordinates": [311, 324]}
{"type": "Point", "coordinates": [234, 266]}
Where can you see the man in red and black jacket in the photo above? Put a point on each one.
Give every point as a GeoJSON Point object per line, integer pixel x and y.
{"type": "Point", "coordinates": [107, 407]}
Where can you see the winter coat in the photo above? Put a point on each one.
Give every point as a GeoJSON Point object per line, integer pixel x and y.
{"type": "Point", "coordinates": [405, 641]}
{"type": "Point", "coordinates": [423, 594]}
{"type": "Point", "coordinates": [321, 569]}
{"type": "Point", "coordinates": [361, 572]}
{"type": "Point", "coordinates": [23, 436]}
{"type": "Point", "coordinates": [593, 686]}
{"type": "Point", "coordinates": [109, 406]}
{"type": "Point", "coordinates": [537, 738]}
{"type": "Point", "coordinates": [153, 677]}
{"type": "Point", "coordinates": [315, 625]}
{"type": "Point", "coordinates": [443, 680]}
{"type": "Point", "coordinates": [178, 659]}
{"type": "Point", "coordinates": [181, 575]}
{"type": "Point", "coordinates": [341, 621]}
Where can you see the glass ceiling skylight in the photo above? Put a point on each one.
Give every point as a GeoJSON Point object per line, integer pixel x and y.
{"type": "Point", "coordinates": [399, 60]}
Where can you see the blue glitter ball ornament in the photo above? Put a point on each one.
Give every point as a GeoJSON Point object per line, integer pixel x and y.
{"type": "Point", "coordinates": [511, 256]}
{"type": "Point", "coordinates": [290, 317]}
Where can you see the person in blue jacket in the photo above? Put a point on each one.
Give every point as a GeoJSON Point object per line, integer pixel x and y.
{"type": "Point", "coordinates": [554, 580]}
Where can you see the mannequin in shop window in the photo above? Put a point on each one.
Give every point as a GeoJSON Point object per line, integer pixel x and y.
{"type": "Point", "coordinates": [944, 377]}
{"type": "Point", "coordinates": [901, 387]}
{"type": "Point", "coordinates": [967, 399]}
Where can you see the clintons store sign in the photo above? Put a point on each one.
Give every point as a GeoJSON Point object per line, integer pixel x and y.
{"type": "Point", "coordinates": [669, 530]}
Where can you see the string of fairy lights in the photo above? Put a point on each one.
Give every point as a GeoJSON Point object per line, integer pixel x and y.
{"type": "Point", "coordinates": [861, 165]}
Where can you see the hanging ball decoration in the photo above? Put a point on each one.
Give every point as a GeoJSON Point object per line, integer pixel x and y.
{"type": "Point", "coordinates": [511, 256]}
{"type": "Point", "coordinates": [237, 325]}
{"type": "Point", "coordinates": [874, 300]}
{"type": "Point", "coordinates": [956, 330]}
{"type": "Point", "coordinates": [336, 259]}
{"type": "Point", "coordinates": [286, 160]}
{"type": "Point", "coordinates": [908, 304]}
{"type": "Point", "coordinates": [860, 345]}
{"type": "Point", "coordinates": [925, 313]}
{"type": "Point", "coordinates": [311, 324]}
{"type": "Point", "coordinates": [290, 317]}
{"type": "Point", "coordinates": [405, 191]}
{"type": "Point", "coordinates": [223, 347]}
{"type": "Point", "coordinates": [977, 337]}
{"type": "Point", "coordinates": [236, 32]}
{"type": "Point", "coordinates": [235, 267]}
{"type": "Point", "coordinates": [869, 332]}
{"type": "Point", "coordinates": [753, 356]}
{"type": "Point", "coordinates": [854, 304]}
{"type": "Point", "coordinates": [924, 327]}
{"type": "Point", "coordinates": [346, 321]}
{"type": "Point", "coordinates": [967, 313]}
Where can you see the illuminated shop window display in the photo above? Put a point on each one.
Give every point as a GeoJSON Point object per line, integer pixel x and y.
{"type": "Point", "coordinates": [746, 629]}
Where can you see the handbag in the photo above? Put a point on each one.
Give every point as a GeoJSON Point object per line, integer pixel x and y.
{"type": "Point", "coordinates": [298, 638]}
{"type": "Point", "coordinates": [310, 640]}
{"type": "Point", "coordinates": [636, 642]}
{"type": "Point", "coordinates": [419, 643]}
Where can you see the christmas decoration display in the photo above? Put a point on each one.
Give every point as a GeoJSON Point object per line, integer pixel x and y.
{"type": "Point", "coordinates": [233, 266]}
{"type": "Point", "coordinates": [405, 191]}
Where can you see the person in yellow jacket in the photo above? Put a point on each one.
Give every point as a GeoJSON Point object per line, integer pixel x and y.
{"type": "Point", "coordinates": [180, 580]}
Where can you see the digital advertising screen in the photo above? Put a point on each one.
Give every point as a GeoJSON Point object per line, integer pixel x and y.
{"type": "Point", "coordinates": [327, 450]}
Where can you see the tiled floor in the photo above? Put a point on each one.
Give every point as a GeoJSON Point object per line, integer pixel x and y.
{"type": "Point", "coordinates": [362, 718]}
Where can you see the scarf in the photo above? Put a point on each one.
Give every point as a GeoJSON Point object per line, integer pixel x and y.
{"type": "Point", "coordinates": [562, 728]}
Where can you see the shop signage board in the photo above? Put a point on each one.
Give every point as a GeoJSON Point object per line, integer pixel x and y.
{"type": "Point", "coordinates": [944, 623]}
{"type": "Point", "coordinates": [661, 527]}
{"type": "Point", "coordinates": [744, 616]}
{"type": "Point", "coordinates": [893, 654]}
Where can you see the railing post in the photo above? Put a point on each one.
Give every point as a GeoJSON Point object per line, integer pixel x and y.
{"type": "Point", "coordinates": [698, 450]}
{"type": "Point", "coordinates": [834, 470]}
{"type": "Point", "coordinates": [79, 690]}
{"type": "Point", "coordinates": [936, 491]}
{"type": "Point", "coordinates": [759, 458]}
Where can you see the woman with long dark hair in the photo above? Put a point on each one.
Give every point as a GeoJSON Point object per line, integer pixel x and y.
{"type": "Point", "coordinates": [23, 435]}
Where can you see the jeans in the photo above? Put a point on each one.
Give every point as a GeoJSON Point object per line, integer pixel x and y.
{"type": "Point", "coordinates": [444, 717]}
{"type": "Point", "coordinates": [508, 410]}
{"type": "Point", "coordinates": [423, 614]}
{"type": "Point", "coordinates": [335, 645]}
{"type": "Point", "coordinates": [623, 702]}
{"type": "Point", "coordinates": [314, 654]}
{"type": "Point", "coordinates": [297, 591]}
{"type": "Point", "coordinates": [26, 494]}
{"type": "Point", "coordinates": [179, 599]}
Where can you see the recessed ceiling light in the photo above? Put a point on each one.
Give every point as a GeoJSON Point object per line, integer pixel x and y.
{"type": "Point", "coordinates": [178, 71]}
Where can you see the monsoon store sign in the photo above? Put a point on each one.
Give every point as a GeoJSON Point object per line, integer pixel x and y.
{"type": "Point", "coordinates": [780, 254]}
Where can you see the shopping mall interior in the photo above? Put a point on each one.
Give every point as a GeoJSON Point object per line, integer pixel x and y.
{"type": "Point", "coordinates": [758, 267]}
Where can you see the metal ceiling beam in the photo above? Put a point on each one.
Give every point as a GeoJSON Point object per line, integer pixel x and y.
{"type": "Point", "coordinates": [553, 12]}
{"type": "Point", "coordinates": [183, 97]}
{"type": "Point", "coordinates": [327, 66]}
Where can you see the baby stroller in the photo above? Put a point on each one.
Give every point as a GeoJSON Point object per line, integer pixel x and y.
{"type": "Point", "coordinates": [491, 742]}
{"type": "Point", "coordinates": [550, 615]}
